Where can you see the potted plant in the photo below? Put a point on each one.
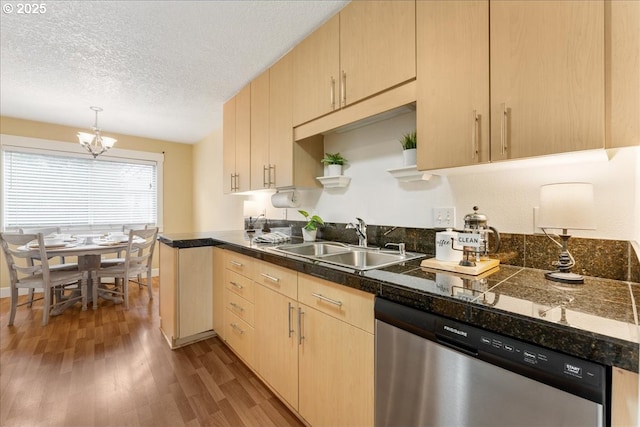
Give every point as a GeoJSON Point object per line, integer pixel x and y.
{"type": "Point", "coordinates": [409, 148]}
{"type": "Point", "coordinates": [334, 163]}
{"type": "Point", "coordinates": [311, 227]}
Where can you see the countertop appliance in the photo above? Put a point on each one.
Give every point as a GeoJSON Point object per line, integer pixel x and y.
{"type": "Point", "coordinates": [432, 371]}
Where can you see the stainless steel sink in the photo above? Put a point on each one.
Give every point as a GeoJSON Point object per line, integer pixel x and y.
{"type": "Point", "coordinates": [355, 257]}
{"type": "Point", "coordinates": [313, 248]}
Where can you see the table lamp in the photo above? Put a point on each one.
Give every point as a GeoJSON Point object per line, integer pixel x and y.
{"type": "Point", "coordinates": [566, 206]}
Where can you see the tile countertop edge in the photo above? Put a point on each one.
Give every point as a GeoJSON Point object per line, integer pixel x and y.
{"type": "Point", "coordinates": [596, 347]}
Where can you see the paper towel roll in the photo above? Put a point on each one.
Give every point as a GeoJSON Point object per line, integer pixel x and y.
{"type": "Point", "coordinates": [285, 199]}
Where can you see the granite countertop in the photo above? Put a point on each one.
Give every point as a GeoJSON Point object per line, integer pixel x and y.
{"type": "Point", "coordinates": [597, 321]}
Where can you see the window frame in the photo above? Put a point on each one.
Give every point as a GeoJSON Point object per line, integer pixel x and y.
{"type": "Point", "coordinates": [43, 146]}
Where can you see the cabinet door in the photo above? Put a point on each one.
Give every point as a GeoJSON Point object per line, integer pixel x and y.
{"type": "Point", "coordinates": [623, 72]}
{"type": "Point", "coordinates": [243, 139]}
{"type": "Point", "coordinates": [453, 83]}
{"type": "Point", "coordinates": [195, 294]}
{"type": "Point", "coordinates": [276, 338]}
{"type": "Point", "coordinates": [281, 122]}
{"type": "Point", "coordinates": [336, 371]}
{"type": "Point", "coordinates": [316, 73]}
{"type": "Point", "coordinates": [624, 398]}
{"type": "Point", "coordinates": [168, 290]}
{"type": "Point", "coordinates": [547, 77]}
{"type": "Point", "coordinates": [377, 47]}
{"type": "Point", "coordinates": [228, 145]}
{"type": "Point", "coordinates": [260, 132]}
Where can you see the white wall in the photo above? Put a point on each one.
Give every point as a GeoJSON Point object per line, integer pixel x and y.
{"type": "Point", "coordinates": [506, 193]}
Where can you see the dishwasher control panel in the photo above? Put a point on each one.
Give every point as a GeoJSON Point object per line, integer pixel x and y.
{"type": "Point", "coordinates": [528, 356]}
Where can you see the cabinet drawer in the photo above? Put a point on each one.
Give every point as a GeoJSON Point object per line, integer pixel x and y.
{"type": "Point", "coordinates": [239, 284]}
{"type": "Point", "coordinates": [239, 306]}
{"type": "Point", "coordinates": [280, 279]}
{"type": "Point", "coordinates": [241, 264]}
{"type": "Point", "coordinates": [239, 335]}
{"type": "Point", "coordinates": [350, 305]}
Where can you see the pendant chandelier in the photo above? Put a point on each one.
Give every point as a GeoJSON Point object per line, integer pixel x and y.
{"type": "Point", "coordinates": [94, 142]}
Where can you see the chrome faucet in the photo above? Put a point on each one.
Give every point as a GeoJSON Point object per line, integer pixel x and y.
{"type": "Point", "coordinates": [361, 231]}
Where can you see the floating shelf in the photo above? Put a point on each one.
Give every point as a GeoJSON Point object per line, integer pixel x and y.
{"type": "Point", "coordinates": [334, 181]}
{"type": "Point", "coordinates": [409, 173]}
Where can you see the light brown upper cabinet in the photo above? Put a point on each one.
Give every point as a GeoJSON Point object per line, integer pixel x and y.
{"type": "Point", "coordinates": [261, 168]}
{"type": "Point", "coordinates": [546, 66]}
{"type": "Point", "coordinates": [453, 83]}
{"type": "Point", "coordinates": [622, 41]}
{"type": "Point", "coordinates": [236, 136]}
{"type": "Point", "coordinates": [547, 77]}
{"type": "Point", "coordinates": [276, 160]}
{"type": "Point", "coordinates": [367, 48]}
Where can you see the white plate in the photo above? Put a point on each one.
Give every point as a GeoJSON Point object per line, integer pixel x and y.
{"type": "Point", "coordinates": [108, 243]}
{"type": "Point", "coordinates": [57, 245]}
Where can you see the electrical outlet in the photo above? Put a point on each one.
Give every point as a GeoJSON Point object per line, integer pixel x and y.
{"type": "Point", "coordinates": [444, 217]}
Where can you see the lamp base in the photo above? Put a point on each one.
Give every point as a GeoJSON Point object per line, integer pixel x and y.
{"type": "Point", "coordinates": [564, 277]}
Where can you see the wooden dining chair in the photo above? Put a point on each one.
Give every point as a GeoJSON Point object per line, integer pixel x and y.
{"type": "Point", "coordinates": [61, 265]}
{"type": "Point", "coordinates": [19, 250]}
{"type": "Point", "coordinates": [137, 260]}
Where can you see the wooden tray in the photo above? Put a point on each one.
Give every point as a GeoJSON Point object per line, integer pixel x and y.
{"type": "Point", "coordinates": [480, 267]}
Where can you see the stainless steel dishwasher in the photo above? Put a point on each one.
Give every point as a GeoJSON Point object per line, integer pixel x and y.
{"type": "Point", "coordinates": [431, 371]}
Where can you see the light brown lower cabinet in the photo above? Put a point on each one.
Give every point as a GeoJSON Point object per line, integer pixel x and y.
{"type": "Point", "coordinates": [310, 340]}
{"type": "Point", "coordinates": [624, 398]}
{"type": "Point", "coordinates": [186, 294]}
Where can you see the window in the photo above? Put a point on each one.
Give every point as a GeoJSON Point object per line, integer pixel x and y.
{"type": "Point", "coordinates": [70, 189]}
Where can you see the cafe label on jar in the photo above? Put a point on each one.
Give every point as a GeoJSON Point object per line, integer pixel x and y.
{"type": "Point", "coordinates": [470, 239]}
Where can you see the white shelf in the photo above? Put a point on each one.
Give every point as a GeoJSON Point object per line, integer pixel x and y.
{"type": "Point", "coordinates": [409, 173]}
{"type": "Point", "coordinates": [334, 181]}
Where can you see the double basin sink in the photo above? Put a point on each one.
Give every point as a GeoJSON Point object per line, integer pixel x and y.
{"type": "Point", "coordinates": [356, 257]}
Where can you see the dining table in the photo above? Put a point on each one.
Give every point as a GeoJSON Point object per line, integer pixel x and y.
{"type": "Point", "coordinates": [89, 251]}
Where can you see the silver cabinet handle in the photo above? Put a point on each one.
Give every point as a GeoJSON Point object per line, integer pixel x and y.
{"type": "Point", "coordinates": [237, 328]}
{"type": "Point", "coordinates": [343, 89]}
{"type": "Point", "coordinates": [235, 285]}
{"type": "Point", "coordinates": [265, 181]}
{"type": "Point", "coordinates": [236, 306]}
{"type": "Point", "coordinates": [300, 335]}
{"type": "Point", "coordinates": [327, 299]}
{"type": "Point", "coordinates": [474, 135]}
{"type": "Point", "coordinates": [332, 93]}
{"type": "Point", "coordinates": [289, 318]}
{"type": "Point", "coordinates": [272, 181]}
{"type": "Point", "coordinates": [270, 277]}
{"type": "Point", "coordinates": [231, 183]}
{"type": "Point", "coordinates": [236, 263]}
{"type": "Point", "coordinates": [503, 129]}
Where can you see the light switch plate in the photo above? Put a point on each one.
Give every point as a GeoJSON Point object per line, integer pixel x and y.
{"type": "Point", "coordinates": [444, 217]}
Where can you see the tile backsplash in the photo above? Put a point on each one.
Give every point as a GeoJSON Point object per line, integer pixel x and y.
{"type": "Point", "coordinates": [610, 259]}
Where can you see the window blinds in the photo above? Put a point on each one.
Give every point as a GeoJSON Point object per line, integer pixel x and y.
{"type": "Point", "coordinates": [45, 189]}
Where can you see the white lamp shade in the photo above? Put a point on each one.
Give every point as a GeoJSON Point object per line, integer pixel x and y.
{"type": "Point", "coordinates": [567, 205]}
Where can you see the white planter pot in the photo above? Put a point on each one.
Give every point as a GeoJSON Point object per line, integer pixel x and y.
{"type": "Point", "coordinates": [409, 157]}
{"type": "Point", "coordinates": [309, 235]}
{"type": "Point", "coordinates": [334, 170]}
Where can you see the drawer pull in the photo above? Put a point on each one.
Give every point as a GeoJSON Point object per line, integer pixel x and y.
{"type": "Point", "coordinates": [327, 299]}
{"type": "Point", "coordinates": [236, 263]}
{"type": "Point", "coordinates": [235, 285]}
{"type": "Point", "coordinates": [270, 277]}
{"type": "Point", "coordinates": [237, 328]}
{"type": "Point", "coordinates": [236, 306]}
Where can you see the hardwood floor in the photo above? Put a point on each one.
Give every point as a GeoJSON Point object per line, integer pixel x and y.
{"type": "Point", "coordinates": [112, 367]}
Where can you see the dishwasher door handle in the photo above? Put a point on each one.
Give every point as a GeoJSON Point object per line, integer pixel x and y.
{"type": "Point", "coordinates": [447, 342]}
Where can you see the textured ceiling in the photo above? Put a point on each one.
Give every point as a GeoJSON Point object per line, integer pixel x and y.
{"type": "Point", "coordinates": [159, 69]}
